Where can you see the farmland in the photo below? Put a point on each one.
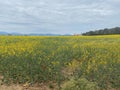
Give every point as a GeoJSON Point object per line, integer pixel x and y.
{"type": "Point", "coordinates": [92, 60]}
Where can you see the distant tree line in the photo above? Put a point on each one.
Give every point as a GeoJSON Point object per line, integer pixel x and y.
{"type": "Point", "coordinates": [105, 31]}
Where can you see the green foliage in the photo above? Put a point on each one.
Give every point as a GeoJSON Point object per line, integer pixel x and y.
{"type": "Point", "coordinates": [79, 84]}
{"type": "Point", "coordinates": [106, 31]}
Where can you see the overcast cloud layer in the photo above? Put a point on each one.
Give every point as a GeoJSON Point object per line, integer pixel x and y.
{"type": "Point", "coordinates": [58, 16]}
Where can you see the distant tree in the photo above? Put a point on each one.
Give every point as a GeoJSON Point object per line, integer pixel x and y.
{"type": "Point", "coordinates": [105, 31]}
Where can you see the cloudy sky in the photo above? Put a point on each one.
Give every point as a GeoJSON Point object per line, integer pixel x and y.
{"type": "Point", "coordinates": [58, 16]}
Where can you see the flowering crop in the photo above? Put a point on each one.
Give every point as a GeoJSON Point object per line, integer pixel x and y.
{"type": "Point", "coordinates": [36, 59]}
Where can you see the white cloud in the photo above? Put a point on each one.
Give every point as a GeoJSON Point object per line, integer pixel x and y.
{"type": "Point", "coordinates": [54, 14]}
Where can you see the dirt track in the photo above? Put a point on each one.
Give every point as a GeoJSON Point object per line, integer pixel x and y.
{"type": "Point", "coordinates": [18, 87]}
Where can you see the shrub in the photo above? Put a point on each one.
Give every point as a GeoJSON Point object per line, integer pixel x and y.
{"type": "Point", "coordinates": [79, 84]}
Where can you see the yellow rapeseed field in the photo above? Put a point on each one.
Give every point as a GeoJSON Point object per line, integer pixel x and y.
{"type": "Point", "coordinates": [37, 59]}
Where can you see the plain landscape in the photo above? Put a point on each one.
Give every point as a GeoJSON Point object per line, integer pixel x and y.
{"type": "Point", "coordinates": [60, 62]}
{"type": "Point", "coordinates": [59, 44]}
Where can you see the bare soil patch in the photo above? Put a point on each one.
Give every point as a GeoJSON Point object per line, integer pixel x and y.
{"type": "Point", "coordinates": [20, 87]}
